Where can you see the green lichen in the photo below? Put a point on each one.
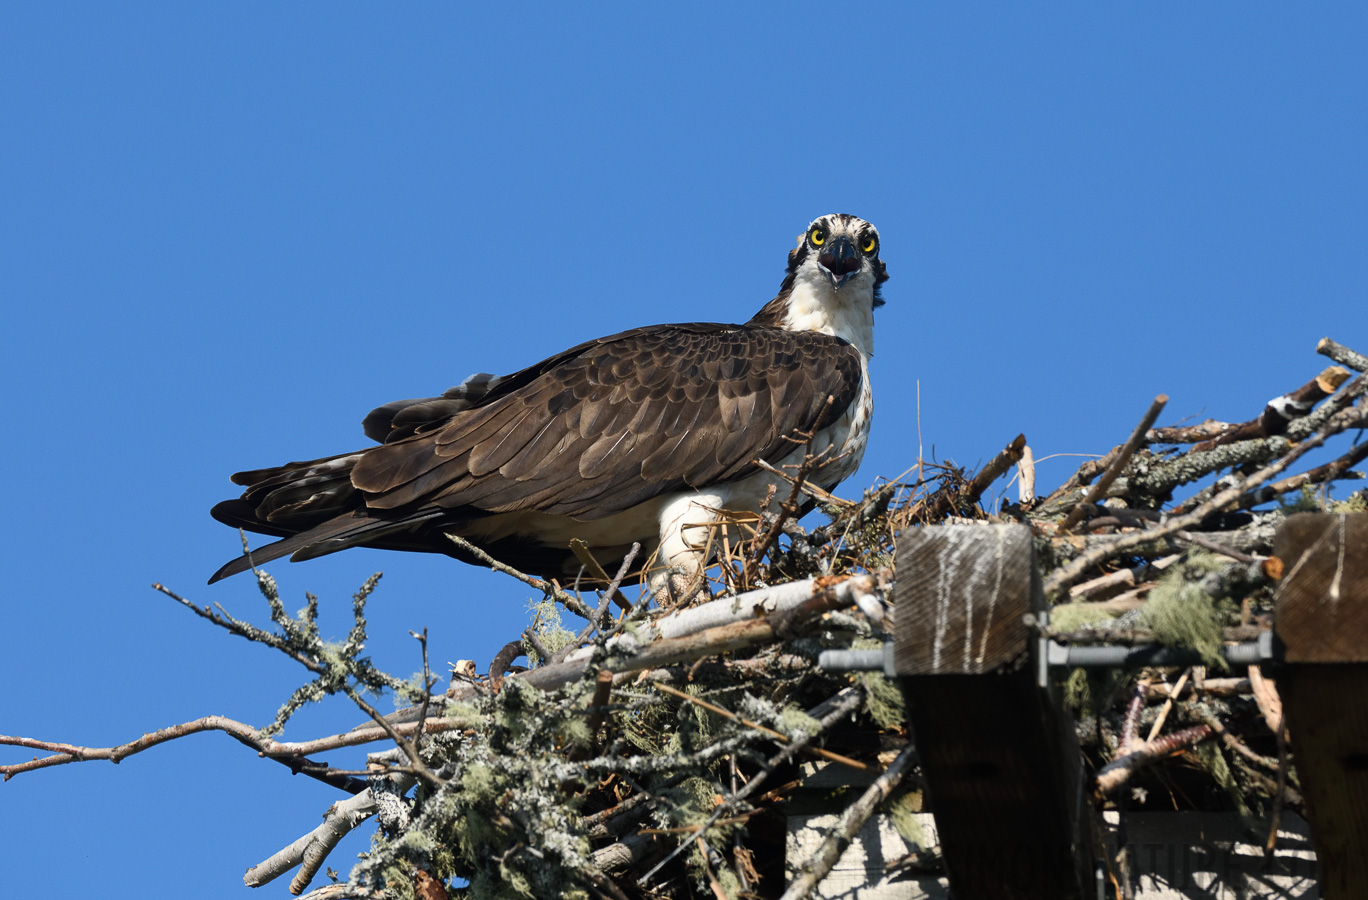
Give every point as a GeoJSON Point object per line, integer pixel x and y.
{"type": "Point", "coordinates": [546, 624]}
{"type": "Point", "coordinates": [1182, 614]}
{"type": "Point", "coordinates": [1077, 690]}
{"type": "Point", "coordinates": [1356, 503]}
{"type": "Point", "coordinates": [792, 720]}
{"type": "Point", "coordinates": [1305, 500]}
{"type": "Point", "coordinates": [902, 812]}
{"type": "Point", "coordinates": [883, 700]}
{"type": "Point", "coordinates": [1068, 617]}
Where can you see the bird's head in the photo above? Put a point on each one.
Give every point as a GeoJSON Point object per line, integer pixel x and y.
{"type": "Point", "coordinates": [841, 251]}
{"type": "Point", "coordinates": [832, 283]}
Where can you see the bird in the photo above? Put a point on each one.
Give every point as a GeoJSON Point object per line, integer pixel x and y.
{"type": "Point", "coordinates": [651, 436]}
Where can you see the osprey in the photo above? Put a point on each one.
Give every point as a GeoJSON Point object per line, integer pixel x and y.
{"type": "Point", "coordinates": [651, 435]}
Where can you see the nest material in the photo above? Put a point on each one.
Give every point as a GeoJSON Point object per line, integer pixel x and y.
{"type": "Point", "coordinates": [673, 782]}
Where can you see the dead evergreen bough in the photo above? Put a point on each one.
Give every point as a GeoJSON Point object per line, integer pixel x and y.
{"type": "Point", "coordinates": [651, 753]}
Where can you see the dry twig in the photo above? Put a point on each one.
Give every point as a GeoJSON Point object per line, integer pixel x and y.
{"type": "Point", "coordinates": [816, 867]}
{"type": "Point", "coordinates": [1118, 463]}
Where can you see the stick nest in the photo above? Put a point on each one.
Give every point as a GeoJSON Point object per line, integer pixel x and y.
{"type": "Point", "coordinates": [624, 764]}
{"type": "Point", "coordinates": [673, 782]}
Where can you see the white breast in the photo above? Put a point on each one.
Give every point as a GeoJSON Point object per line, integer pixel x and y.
{"type": "Point", "coordinates": [847, 313]}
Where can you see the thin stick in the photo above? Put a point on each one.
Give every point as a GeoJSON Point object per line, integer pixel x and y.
{"type": "Point", "coordinates": [1065, 575]}
{"type": "Point", "coordinates": [811, 490]}
{"type": "Point", "coordinates": [1168, 704]}
{"type": "Point", "coordinates": [1221, 687]}
{"type": "Point", "coordinates": [1099, 488]}
{"type": "Point", "coordinates": [817, 866]}
{"type": "Point", "coordinates": [406, 742]}
{"type": "Point", "coordinates": [243, 629]}
{"type": "Point", "coordinates": [1210, 720]}
{"type": "Point", "coordinates": [1275, 821]}
{"type": "Point", "coordinates": [428, 680]}
{"type": "Point", "coordinates": [570, 603]}
{"type": "Point", "coordinates": [778, 736]}
{"type": "Point", "coordinates": [581, 551]}
{"type": "Point", "coordinates": [241, 731]}
{"type": "Point", "coordinates": [1332, 471]}
{"type": "Point", "coordinates": [1207, 543]}
{"type": "Point", "coordinates": [543, 655]}
{"type": "Point", "coordinates": [787, 510]}
{"type": "Point", "coordinates": [703, 850]}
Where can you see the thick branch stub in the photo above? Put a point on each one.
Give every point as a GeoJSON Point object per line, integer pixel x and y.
{"type": "Point", "coordinates": [311, 849]}
{"type": "Point", "coordinates": [1158, 480]}
{"type": "Point", "coordinates": [1342, 355]}
{"type": "Point", "coordinates": [1281, 411]}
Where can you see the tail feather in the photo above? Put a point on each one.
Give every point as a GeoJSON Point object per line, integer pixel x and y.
{"type": "Point", "coordinates": [316, 509]}
{"type": "Point", "coordinates": [279, 474]}
{"type": "Point", "coordinates": [238, 513]}
{"type": "Point", "coordinates": [331, 536]}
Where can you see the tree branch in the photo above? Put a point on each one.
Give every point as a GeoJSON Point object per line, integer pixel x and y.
{"type": "Point", "coordinates": [1118, 463]}
{"type": "Point", "coordinates": [1064, 576]}
{"type": "Point", "coordinates": [289, 753]}
{"type": "Point", "coordinates": [569, 602]}
{"type": "Point", "coordinates": [312, 849]}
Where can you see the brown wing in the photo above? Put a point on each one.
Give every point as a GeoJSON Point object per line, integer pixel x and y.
{"type": "Point", "coordinates": [590, 432]}
{"type": "Point", "coordinates": [624, 419]}
{"type": "Point", "coordinates": [404, 418]}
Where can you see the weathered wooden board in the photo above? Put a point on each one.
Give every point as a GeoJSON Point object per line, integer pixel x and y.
{"type": "Point", "coordinates": [1322, 621]}
{"type": "Point", "coordinates": [1215, 856]}
{"type": "Point", "coordinates": [1323, 599]}
{"type": "Point", "coordinates": [968, 587]}
{"type": "Point", "coordinates": [1003, 769]}
{"type": "Point", "coordinates": [867, 870]}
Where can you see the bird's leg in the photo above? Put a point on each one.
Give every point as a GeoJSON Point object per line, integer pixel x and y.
{"type": "Point", "coordinates": [677, 585]}
{"type": "Point", "coordinates": [687, 526]}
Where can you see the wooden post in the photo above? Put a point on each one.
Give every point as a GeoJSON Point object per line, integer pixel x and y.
{"type": "Point", "coordinates": [1322, 621]}
{"type": "Point", "coordinates": [1003, 769]}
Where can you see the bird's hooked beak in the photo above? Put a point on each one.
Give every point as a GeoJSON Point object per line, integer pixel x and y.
{"type": "Point", "coordinates": [838, 261]}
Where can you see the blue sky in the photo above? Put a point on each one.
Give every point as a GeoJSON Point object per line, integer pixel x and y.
{"type": "Point", "coordinates": [227, 232]}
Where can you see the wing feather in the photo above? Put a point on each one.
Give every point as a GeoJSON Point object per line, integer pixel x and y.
{"type": "Point", "coordinates": [511, 438]}
{"type": "Point", "coordinates": [613, 450]}
{"type": "Point", "coordinates": [588, 433]}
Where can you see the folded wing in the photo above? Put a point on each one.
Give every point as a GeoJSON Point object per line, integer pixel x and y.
{"type": "Point", "coordinates": [588, 433]}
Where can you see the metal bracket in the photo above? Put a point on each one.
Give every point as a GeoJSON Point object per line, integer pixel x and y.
{"type": "Point", "coordinates": [1055, 655]}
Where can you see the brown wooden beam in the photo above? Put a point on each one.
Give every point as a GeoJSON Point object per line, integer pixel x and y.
{"type": "Point", "coordinates": [1003, 770]}
{"type": "Point", "coordinates": [1322, 621]}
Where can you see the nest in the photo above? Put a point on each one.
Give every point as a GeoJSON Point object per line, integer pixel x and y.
{"type": "Point", "coordinates": [671, 780]}
{"type": "Point", "coordinates": [642, 757]}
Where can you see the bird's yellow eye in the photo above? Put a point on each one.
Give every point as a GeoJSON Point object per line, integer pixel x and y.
{"type": "Point", "coordinates": [818, 237]}
{"type": "Point", "coordinates": [869, 245]}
